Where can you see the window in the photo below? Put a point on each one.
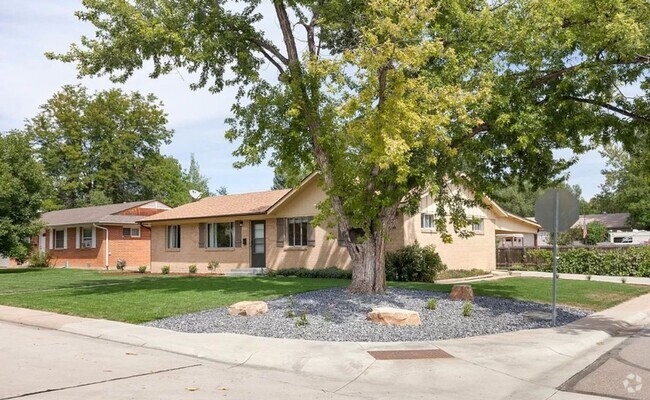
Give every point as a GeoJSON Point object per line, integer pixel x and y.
{"type": "Point", "coordinates": [220, 235]}
{"type": "Point", "coordinates": [297, 231]}
{"type": "Point", "coordinates": [427, 221]}
{"type": "Point", "coordinates": [131, 232]}
{"type": "Point", "coordinates": [173, 236]}
{"type": "Point", "coordinates": [59, 239]}
{"type": "Point", "coordinates": [477, 226]}
{"type": "Point", "coordinates": [86, 237]}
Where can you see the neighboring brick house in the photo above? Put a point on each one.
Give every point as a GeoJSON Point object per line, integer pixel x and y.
{"type": "Point", "coordinates": [95, 237]}
{"type": "Point", "coordinates": [272, 230]}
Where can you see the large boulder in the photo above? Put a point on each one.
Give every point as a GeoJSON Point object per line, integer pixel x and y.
{"type": "Point", "coordinates": [248, 308]}
{"type": "Point", "coordinates": [394, 316]}
{"type": "Point", "coordinates": [461, 292]}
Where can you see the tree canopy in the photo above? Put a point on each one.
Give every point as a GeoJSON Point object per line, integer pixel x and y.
{"type": "Point", "coordinates": [388, 99]}
{"type": "Point", "coordinates": [22, 188]}
{"type": "Point", "coordinates": [104, 148]}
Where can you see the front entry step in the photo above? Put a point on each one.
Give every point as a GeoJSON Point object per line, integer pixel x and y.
{"type": "Point", "coordinates": [246, 272]}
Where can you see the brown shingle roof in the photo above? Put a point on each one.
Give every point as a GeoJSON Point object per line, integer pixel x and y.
{"type": "Point", "coordinates": [611, 221]}
{"type": "Point", "coordinates": [91, 215]}
{"type": "Point", "coordinates": [221, 206]}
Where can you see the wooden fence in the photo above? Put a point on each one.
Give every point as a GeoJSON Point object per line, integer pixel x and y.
{"type": "Point", "coordinates": [507, 256]}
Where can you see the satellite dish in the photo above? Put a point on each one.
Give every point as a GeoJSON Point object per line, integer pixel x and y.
{"type": "Point", "coordinates": [195, 194]}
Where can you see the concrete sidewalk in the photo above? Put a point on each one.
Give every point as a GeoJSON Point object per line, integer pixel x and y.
{"type": "Point", "coordinates": [526, 364]}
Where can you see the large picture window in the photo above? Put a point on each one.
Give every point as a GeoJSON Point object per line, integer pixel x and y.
{"type": "Point", "coordinates": [173, 236]}
{"type": "Point", "coordinates": [297, 231]}
{"type": "Point", "coordinates": [220, 235]}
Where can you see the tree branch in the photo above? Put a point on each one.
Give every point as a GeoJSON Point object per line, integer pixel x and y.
{"type": "Point", "coordinates": [287, 33]}
{"type": "Point", "coordinates": [484, 127]}
{"type": "Point", "coordinates": [609, 107]}
{"type": "Point", "coordinates": [263, 45]}
{"type": "Point", "coordinates": [272, 60]}
{"type": "Point", "coordinates": [561, 72]}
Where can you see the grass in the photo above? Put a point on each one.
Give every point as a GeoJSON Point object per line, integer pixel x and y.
{"type": "Point", "coordinates": [138, 298]}
{"type": "Point", "coordinates": [459, 273]}
{"type": "Point", "coordinates": [584, 294]}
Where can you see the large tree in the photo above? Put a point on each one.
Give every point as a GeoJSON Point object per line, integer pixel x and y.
{"type": "Point", "coordinates": [520, 196]}
{"type": "Point", "coordinates": [99, 148]}
{"type": "Point", "coordinates": [627, 183]}
{"type": "Point", "coordinates": [388, 99]}
{"type": "Point", "coordinates": [195, 180]}
{"type": "Point", "coordinates": [22, 188]}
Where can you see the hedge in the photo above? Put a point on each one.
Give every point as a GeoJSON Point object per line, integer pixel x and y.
{"type": "Point", "coordinates": [626, 261]}
{"type": "Point", "coordinates": [331, 273]}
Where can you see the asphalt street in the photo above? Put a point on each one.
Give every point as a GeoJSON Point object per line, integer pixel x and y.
{"type": "Point", "coordinates": [622, 373]}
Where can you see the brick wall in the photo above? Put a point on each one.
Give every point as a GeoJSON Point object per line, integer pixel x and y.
{"type": "Point", "coordinates": [136, 251]}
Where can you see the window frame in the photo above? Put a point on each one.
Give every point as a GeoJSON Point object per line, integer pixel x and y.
{"type": "Point", "coordinates": [82, 237]}
{"type": "Point", "coordinates": [131, 229]}
{"type": "Point", "coordinates": [177, 237]}
{"type": "Point", "coordinates": [212, 235]}
{"type": "Point", "coordinates": [63, 238]}
{"type": "Point", "coordinates": [303, 233]}
{"type": "Point", "coordinates": [480, 226]}
{"type": "Point", "coordinates": [432, 222]}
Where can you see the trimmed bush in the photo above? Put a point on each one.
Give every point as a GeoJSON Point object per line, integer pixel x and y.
{"type": "Point", "coordinates": [328, 273]}
{"type": "Point", "coordinates": [121, 264]}
{"type": "Point", "coordinates": [165, 269]}
{"type": "Point", "coordinates": [626, 261]}
{"type": "Point", "coordinates": [192, 268]}
{"type": "Point", "coordinates": [142, 269]}
{"type": "Point", "coordinates": [213, 265]}
{"type": "Point", "coordinates": [414, 263]}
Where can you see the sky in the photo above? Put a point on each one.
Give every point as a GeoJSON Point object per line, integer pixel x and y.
{"type": "Point", "coordinates": [30, 28]}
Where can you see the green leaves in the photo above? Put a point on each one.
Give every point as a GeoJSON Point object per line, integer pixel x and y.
{"type": "Point", "coordinates": [22, 188]}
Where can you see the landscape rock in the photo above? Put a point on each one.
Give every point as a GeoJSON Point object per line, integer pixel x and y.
{"type": "Point", "coordinates": [394, 316]}
{"type": "Point", "coordinates": [248, 308]}
{"type": "Point", "coordinates": [461, 292]}
{"type": "Point", "coordinates": [538, 315]}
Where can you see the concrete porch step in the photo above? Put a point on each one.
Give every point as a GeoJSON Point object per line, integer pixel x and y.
{"type": "Point", "coordinates": [245, 272]}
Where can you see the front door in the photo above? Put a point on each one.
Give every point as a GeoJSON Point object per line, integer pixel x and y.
{"type": "Point", "coordinates": [258, 244]}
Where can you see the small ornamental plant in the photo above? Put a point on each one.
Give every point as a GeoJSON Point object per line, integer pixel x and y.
{"type": "Point", "coordinates": [192, 268]}
{"type": "Point", "coordinates": [213, 265]}
{"type": "Point", "coordinates": [165, 269]}
{"type": "Point", "coordinates": [302, 320]}
{"type": "Point", "coordinates": [290, 307]}
{"type": "Point", "coordinates": [121, 264]}
{"type": "Point", "coordinates": [432, 304]}
{"type": "Point", "coordinates": [467, 309]}
{"type": "Point", "coordinates": [623, 280]}
{"type": "Point", "coordinates": [142, 269]}
{"type": "Point", "coordinates": [329, 313]}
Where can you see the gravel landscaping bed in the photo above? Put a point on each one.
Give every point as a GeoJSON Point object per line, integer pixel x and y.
{"type": "Point", "coordinates": [334, 315]}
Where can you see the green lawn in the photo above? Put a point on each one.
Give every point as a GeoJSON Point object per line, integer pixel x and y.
{"type": "Point", "coordinates": [139, 298]}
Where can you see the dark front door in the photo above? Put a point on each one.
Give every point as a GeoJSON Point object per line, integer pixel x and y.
{"type": "Point", "coordinates": [258, 244]}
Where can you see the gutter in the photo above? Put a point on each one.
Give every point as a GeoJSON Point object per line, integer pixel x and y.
{"type": "Point", "coordinates": [106, 249]}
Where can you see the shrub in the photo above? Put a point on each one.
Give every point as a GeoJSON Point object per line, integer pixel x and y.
{"type": "Point", "coordinates": [40, 259]}
{"type": "Point", "coordinates": [302, 320]}
{"type": "Point", "coordinates": [625, 261]}
{"type": "Point", "coordinates": [213, 265]}
{"type": "Point", "coordinates": [121, 264]}
{"type": "Point", "coordinates": [414, 263]}
{"type": "Point", "coordinates": [467, 309]}
{"type": "Point", "coordinates": [142, 269]}
{"type": "Point", "coordinates": [290, 314]}
{"type": "Point", "coordinates": [165, 269]}
{"type": "Point", "coordinates": [432, 304]}
{"type": "Point", "coordinates": [192, 269]}
{"type": "Point", "coordinates": [329, 273]}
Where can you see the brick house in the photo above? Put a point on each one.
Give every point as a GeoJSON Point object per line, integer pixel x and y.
{"type": "Point", "coordinates": [96, 237]}
{"type": "Point", "coordinates": [273, 230]}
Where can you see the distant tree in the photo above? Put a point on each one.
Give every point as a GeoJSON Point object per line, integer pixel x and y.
{"type": "Point", "coordinates": [520, 197]}
{"type": "Point", "coordinates": [195, 180]}
{"type": "Point", "coordinates": [97, 197]}
{"type": "Point", "coordinates": [279, 181]}
{"type": "Point", "coordinates": [102, 142]}
{"type": "Point", "coordinates": [22, 187]}
{"type": "Point", "coordinates": [222, 191]}
{"type": "Point", "coordinates": [627, 183]}
{"type": "Point", "coordinates": [163, 180]}
{"type": "Point", "coordinates": [596, 233]}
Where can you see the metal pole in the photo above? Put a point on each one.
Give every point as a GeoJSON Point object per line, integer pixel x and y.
{"type": "Point", "coordinates": [556, 223]}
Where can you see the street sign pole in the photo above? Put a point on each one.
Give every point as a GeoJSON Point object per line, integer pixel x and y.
{"type": "Point", "coordinates": [555, 231]}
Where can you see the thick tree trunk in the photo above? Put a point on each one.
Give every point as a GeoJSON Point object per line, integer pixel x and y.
{"type": "Point", "coordinates": [368, 268]}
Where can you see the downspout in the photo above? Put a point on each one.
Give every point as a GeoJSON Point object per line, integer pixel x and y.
{"type": "Point", "coordinates": [106, 230]}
